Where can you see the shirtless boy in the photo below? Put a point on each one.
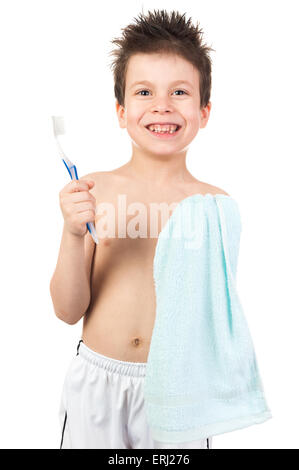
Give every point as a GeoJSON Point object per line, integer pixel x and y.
{"type": "Point", "coordinates": [110, 285]}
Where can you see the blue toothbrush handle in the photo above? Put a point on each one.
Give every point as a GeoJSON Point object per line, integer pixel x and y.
{"type": "Point", "coordinates": [74, 175]}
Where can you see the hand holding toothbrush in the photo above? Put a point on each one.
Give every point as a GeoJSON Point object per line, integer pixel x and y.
{"type": "Point", "coordinates": [59, 129]}
{"type": "Point", "coordinates": [78, 206]}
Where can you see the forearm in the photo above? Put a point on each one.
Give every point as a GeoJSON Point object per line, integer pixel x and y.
{"type": "Point", "coordinates": [69, 286]}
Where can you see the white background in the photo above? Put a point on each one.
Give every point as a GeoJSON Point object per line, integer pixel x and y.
{"type": "Point", "coordinates": [55, 61]}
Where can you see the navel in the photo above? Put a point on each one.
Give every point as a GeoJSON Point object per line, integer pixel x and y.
{"type": "Point", "coordinates": [136, 342]}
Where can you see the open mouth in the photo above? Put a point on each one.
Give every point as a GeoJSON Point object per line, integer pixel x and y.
{"type": "Point", "coordinates": [165, 133]}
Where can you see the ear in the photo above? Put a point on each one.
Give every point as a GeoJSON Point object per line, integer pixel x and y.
{"type": "Point", "coordinates": [120, 110]}
{"type": "Point", "coordinates": [205, 114]}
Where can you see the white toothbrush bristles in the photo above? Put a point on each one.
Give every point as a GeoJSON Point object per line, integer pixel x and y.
{"type": "Point", "coordinates": [58, 125]}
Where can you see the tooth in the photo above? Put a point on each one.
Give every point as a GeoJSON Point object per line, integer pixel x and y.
{"type": "Point", "coordinates": [169, 129]}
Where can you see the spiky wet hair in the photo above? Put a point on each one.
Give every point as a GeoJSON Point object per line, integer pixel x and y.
{"type": "Point", "coordinates": [162, 32]}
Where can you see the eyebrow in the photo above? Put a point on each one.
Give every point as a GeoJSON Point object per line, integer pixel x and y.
{"type": "Point", "coordinates": [145, 82]}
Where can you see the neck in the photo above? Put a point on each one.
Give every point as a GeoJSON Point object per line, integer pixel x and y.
{"type": "Point", "coordinates": [160, 169]}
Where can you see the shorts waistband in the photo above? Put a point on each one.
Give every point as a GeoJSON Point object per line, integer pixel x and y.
{"type": "Point", "coordinates": [136, 369]}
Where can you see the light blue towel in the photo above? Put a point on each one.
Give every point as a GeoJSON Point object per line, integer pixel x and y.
{"type": "Point", "coordinates": [202, 376]}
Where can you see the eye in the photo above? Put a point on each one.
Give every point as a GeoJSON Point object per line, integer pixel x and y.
{"type": "Point", "coordinates": [148, 90]}
{"type": "Point", "coordinates": [180, 90]}
{"type": "Point", "coordinates": [140, 92]}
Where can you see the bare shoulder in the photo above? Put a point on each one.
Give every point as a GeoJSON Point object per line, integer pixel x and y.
{"type": "Point", "coordinates": [209, 188]}
{"type": "Point", "coordinates": [97, 176]}
{"type": "Point", "coordinates": [216, 190]}
{"type": "Point", "coordinates": [104, 183]}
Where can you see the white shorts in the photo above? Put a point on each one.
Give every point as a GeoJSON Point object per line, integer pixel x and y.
{"type": "Point", "coordinates": [102, 406]}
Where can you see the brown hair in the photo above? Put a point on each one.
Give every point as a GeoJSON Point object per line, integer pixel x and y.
{"type": "Point", "coordinates": [162, 32]}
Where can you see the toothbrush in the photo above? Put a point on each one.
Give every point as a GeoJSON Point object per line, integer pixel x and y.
{"type": "Point", "coordinates": [59, 129]}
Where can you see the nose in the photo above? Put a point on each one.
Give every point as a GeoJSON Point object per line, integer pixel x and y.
{"type": "Point", "coordinates": [162, 105]}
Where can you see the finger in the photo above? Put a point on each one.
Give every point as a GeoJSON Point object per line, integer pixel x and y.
{"type": "Point", "coordinates": [77, 185]}
{"type": "Point", "coordinates": [81, 196]}
{"type": "Point", "coordinates": [84, 206]}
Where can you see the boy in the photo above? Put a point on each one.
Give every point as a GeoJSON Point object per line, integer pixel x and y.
{"type": "Point", "coordinates": [162, 74]}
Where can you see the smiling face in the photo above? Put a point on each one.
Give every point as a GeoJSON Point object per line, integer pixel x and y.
{"type": "Point", "coordinates": [162, 88]}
